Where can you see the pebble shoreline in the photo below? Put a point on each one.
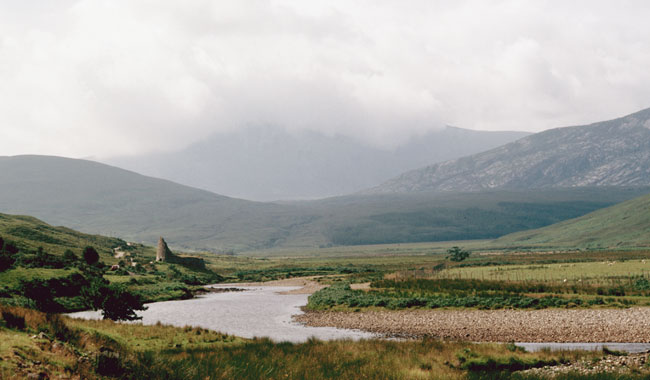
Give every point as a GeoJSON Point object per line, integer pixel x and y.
{"type": "Point", "coordinates": [548, 325]}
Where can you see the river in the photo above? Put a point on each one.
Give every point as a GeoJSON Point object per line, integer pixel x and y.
{"type": "Point", "coordinates": [262, 311]}
{"type": "Point", "coordinates": [258, 311]}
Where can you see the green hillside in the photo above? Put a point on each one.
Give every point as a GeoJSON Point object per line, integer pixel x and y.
{"type": "Point", "coordinates": [625, 225]}
{"type": "Point", "coordinates": [99, 199]}
{"type": "Point", "coordinates": [28, 234]}
{"type": "Point", "coordinates": [51, 269]}
{"type": "Point", "coordinates": [458, 216]}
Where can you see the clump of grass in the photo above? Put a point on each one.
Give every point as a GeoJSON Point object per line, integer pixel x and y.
{"type": "Point", "coordinates": [608, 351]}
{"type": "Point", "coordinates": [59, 330]}
{"type": "Point", "coordinates": [510, 364]}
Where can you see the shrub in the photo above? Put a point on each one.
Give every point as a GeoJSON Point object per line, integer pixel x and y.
{"type": "Point", "coordinates": [40, 259]}
{"type": "Point", "coordinates": [120, 305]}
{"type": "Point", "coordinates": [6, 261]}
{"type": "Point", "coordinates": [69, 257]}
{"type": "Point", "coordinates": [109, 363]}
{"type": "Point", "coordinates": [57, 328]}
{"type": "Point", "coordinates": [90, 255]}
{"type": "Point", "coordinates": [13, 321]}
{"type": "Point", "coordinates": [457, 254]}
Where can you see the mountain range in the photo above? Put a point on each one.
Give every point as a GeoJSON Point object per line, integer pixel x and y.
{"type": "Point", "coordinates": [609, 153]}
{"type": "Point", "coordinates": [269, 163]}
{"type": "Point", "coordinates": [534, 182]}
{"type": "Point", "coordinates": [101, 199]}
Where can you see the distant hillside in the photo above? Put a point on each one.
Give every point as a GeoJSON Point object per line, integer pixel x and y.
{"type": "Point", "coordinates": [421, 217]}
{"type": "Point", "coordinates": [28, 234]}
{"type": "Point", "coordinates": [270, 163]}
{"type": "Point", "coordinates": [101, 199]}
{"type": "Point", "coordinates": [609, 153]}
{"type": "Point", "coordinates": [97, 198]}
{"type": "Point", "coordinates": [623, 225]}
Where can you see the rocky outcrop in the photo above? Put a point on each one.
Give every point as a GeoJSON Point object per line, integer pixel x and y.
{"type": "Point", "coordinates": [609, 153]}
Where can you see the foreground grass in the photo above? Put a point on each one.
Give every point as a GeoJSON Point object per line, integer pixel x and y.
{"type": "Point", "coordinates": [373, 359]}
{"type": "Point", "coordinates": [103, 349]}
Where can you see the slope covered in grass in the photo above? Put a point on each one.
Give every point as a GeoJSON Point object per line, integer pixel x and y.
{"type": "Point", "coordinates": [97, 198]}
{"type": "Point", "coordinates": [100, 199]}
{"type": "Point", "coordinates": [624, 225]}
{"type": "Point", "coordinates": [29, 233]}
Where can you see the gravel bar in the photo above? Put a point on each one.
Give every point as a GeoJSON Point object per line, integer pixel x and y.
{"type": "Point", "coordinates": [548, 325]}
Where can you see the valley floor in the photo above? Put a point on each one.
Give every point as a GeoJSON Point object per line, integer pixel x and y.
{"type": "Point", "coordinates": [548, 325]}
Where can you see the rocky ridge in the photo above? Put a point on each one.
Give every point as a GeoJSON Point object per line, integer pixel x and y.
{"type": "Point", "coordinates": [608, 153]}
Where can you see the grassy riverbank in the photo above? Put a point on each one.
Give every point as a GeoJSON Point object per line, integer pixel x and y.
{"type": "Point", "coordinates": [36, 343]}
{"type": "Point", "coordinates": [511, 280]}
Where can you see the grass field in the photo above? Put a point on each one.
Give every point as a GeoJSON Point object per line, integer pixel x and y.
{"type": "Point", "coordinates": [592, 272]}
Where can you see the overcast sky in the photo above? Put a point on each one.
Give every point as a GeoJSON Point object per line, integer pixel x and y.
{"type": "Point", "coordinates": [103, 78]}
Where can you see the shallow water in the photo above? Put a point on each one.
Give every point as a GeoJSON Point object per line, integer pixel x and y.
{"type": "Point", "coordinates": [258, 311]}
{"type": "Point", "coordinates": [626, 347]}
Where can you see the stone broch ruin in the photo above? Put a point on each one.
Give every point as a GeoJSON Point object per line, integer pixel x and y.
{"type": "Point", "coordinates": [163, 253]}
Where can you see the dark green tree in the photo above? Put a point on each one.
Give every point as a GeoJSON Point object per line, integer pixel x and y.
{"type": "Point", "coordinates": [90, 255]}
{"type": "Point", "coordinates": [119, 304]}
{"type": "Point", "coordinates": [69, 257]}
{"type": "Point", "coordinates": [42, 294]}
{"type": "Point", "coordinates": [114, 300]}
{"type": "Point", "coordinates": [457, 254]}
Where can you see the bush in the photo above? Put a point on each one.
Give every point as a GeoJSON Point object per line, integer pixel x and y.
{"type": "Point", "coordinates": [510, 364]}
{"type": "Point", "coordinates": [90, 255]}
{"type": "Point", "coordinates": [57, 328]}
{"type": "Point", "coordinates": [120, 305]}
{"type": "Point", "coordinates": [114, 300]}
{"type": "Point", "coordinates": [44, 293]}
{"type": "Point", "coordinates": [457, 254]}
{"type": "Point", "coordinates": [109, 363]}
{"type": "Point", "coordinates": [69, 257]}
{"type": "Point", "coordinates": [13, 321]}
{"type": "Point", "coordinates": [6, 261]}
{"type": "Point", "coordinates": [40, 259]}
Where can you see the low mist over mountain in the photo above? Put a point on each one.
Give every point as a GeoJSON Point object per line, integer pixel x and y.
{"type": "Point", "coordinates": [271, 163]}
{"type": "Point", "coordinates": [609, 153]}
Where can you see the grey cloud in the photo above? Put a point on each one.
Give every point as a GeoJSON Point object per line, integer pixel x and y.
{"type": "Point", "coordinates": [102, 78]}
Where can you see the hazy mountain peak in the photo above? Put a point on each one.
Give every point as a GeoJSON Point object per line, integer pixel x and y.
{"type": "Point", "coordinates": [271, 163]}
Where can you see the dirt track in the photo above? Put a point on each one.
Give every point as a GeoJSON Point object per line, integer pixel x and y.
{"type": "Point", "coordinates": [549, 325]}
